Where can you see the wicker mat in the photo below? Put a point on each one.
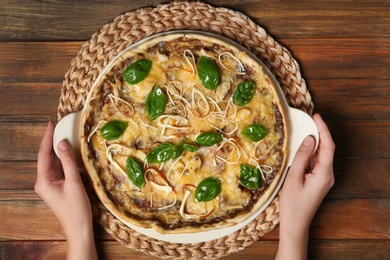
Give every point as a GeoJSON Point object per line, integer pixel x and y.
{"type": "Point", "coordinates": [130, 27]}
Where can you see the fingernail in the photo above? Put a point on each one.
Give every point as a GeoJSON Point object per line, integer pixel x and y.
{"type": "Point", "coordinates": [63, 146]}
{"type": "Point", "coordinates": [308, 141]}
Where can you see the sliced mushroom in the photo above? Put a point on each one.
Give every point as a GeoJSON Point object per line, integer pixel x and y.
{"type": "Point", "coordinates": [222, 91]}
{"type": "Point", "coordinates": [194, 164]}
{"type": "Point", "coordinates": [242, 114]}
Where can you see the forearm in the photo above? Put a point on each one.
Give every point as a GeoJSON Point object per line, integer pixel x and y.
{"type": "Point", "coordinates": [81, 245]}
{"type": "Point", "coordinates": [292, 245]}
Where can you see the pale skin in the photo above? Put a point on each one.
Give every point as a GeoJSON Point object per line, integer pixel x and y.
{"type": "Point", "coordinates": [302, 193]}
{"type": "Point", "coordinates": [60, 186]}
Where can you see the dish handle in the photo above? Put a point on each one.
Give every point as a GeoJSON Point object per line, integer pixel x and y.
{"type": "Point", "coordinates": [68, 128]}
{"type": "Point", "coordinates": [301, 125]}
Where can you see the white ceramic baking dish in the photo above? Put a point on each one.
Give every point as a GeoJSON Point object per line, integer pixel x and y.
{"type": "Point", "coordinates": [299, 125]}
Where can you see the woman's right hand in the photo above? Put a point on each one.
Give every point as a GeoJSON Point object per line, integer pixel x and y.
{"type": "Point", "coordinates": [302, 193]}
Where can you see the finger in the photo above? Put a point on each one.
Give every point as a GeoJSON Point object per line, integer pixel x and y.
{"type": "Point", "coordinates": [45, 153]}
{"type": "Point", "coordinates": [326, 146]}
{"type": "Point", "coordinates": [68, 161]}
{"type": "Point", "coordinates": [298, 166]}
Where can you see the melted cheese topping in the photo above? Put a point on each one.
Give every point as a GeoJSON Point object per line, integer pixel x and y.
{"type": "Point", "coordinates": [168, 194]}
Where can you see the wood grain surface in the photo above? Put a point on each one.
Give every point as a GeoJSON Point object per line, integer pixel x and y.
{"type": "Point", "coordinates": [343, 48]}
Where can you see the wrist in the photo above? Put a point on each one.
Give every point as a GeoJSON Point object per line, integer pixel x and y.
{"type": "Point", "coordinates": [294, 231]}
{"type": "Point", "coordinates": [81, 244]}
{"type": "Point", "coordinates": [293, 243]}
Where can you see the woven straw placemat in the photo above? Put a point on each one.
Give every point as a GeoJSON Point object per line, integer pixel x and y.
{"type": "Point", "coordinates": [130, 27]}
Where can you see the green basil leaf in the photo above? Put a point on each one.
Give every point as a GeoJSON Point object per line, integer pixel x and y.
{"type": "Point", "coordinates": [190, 147]}
{"type": "Point", "coordinates": [135, 171]}
{"type": "Point", "coordinates": [244, 92]}
{"type": "Point", "coordinates": [114, 129]}
{"type": "Point", "coordinates": [137, 71]}
{"type": "Point", "coordinates": [208, 189]}
{"type": "Point", "coordinates": [155, 103]}
{"type": "Point", "coordinates": [161, 153]}
{"type": "Point", "coordinates": [208, 139]}
{"type": "Point", "coordinates": [254, 132]}
{"type": "Point", "coordinates": [177, 151]}
{"type": "Point", "coordinates": [208, 73]}
{"type": "Point", "coordinates": [250, 176]}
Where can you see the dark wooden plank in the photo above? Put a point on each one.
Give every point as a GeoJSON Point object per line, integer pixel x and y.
{"type": "Point", "coordinates": [319, 58]}
{"type": "Point", "coordinates": [28, 220]}
{"type": "Point", "coordinates": [43, 62]}
{"type": "Point", "coordinates": [318, 19]}
{"type": "Point", "coordinates": [341, 57]}
{"type": "Point", "coordinates": [33, 250]}
{"type": "Point", "coordinates": [17, 175]}
{"type": "Point", "coordinates": [21, 141]}
{"type": "Point", "coordinates": [58, 20]}
{"type": "Point", "coordinates": [360, 138]}
{"type": "Point", "coordinates": [346, 249]}
{"type": "Point", "coordinates": [352, 99]}
{"type": "Point", "coordinates": [355, 178]}
{"type": "Point", "coordinates": [361, 178]}
{"type": "Point", "coordinates": [335, 219]}
{"type": "Point", "coordinates": [318, 249]}
{"type": "Point", "coordinates": [18, 195]}
{"type": "Point", "coordinates": [29, 101]}
{"type": "Point", "coordinates": [352, 219]}
{"type": "Point", "coordinates": [368, 139]}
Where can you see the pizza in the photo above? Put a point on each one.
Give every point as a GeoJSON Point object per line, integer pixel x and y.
{"type": "Point", "coordinates": [183, 133]}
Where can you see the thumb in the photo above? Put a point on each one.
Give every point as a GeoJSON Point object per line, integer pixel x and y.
{"type": "Point", "coordinates": [302, 157]}
{"type": "Point", "coordinates": [68, 161]}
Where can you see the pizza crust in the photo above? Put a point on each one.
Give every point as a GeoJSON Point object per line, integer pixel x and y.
{"type": "Point", "coordinates": [94, 161]}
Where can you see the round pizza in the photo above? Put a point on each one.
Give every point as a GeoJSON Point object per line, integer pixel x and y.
{"type": "Point", "coordinates": [184, 133]}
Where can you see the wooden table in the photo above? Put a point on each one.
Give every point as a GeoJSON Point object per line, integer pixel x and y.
{"type": "Point", "coordinates": [344, 52]}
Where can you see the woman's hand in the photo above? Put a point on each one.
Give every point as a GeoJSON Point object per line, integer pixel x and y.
{"type": "Point", "coordinates": [59, 184]}
{"type": "Point", "coordinates": [302, 193]}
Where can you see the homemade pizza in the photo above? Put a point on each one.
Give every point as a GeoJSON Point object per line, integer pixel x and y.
{"type": "Point", "coordinates": [184, 133]}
